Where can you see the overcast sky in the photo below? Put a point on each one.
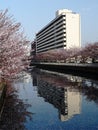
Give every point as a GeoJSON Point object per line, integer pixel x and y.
{"type": "Point", "coordinates": [35, 14]}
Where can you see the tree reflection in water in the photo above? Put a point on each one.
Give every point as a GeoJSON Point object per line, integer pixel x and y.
{"type": "Point", "coordinates": [15, 112]}
{"type": "Point", "coordinates": [91, 92]}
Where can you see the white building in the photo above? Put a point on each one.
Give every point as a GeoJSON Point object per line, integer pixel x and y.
{"type": "Point", "coordinates": [62, 32]}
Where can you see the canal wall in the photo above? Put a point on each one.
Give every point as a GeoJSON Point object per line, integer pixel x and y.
{"type": "Point", "coordinates": [2, 96]}
{"type": "Point", "coordinates": [78, 69]}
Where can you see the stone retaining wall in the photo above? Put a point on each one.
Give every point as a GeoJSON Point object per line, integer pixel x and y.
{"type": "Point", "coordinates": [88, 70]}
{"type": "Point", "coordinates": [2, 96]}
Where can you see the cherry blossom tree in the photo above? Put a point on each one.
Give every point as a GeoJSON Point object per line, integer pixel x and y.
{"type": "Point", "coordinates": [89, 51]}
{"type": "Point", "coordinates": [13, 47]}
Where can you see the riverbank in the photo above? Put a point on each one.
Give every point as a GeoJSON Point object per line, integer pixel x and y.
{"type": "Point", "coordinates": [88, 70]}
{"type": "Point", "coordinates": [2, 96]}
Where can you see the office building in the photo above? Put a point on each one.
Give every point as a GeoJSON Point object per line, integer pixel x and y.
{"type": "Point", "coordinates": [33, 48]}
{"type": "Point", "coordinates": [62, 32]}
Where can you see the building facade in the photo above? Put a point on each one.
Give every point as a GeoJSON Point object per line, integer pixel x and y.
{"type": "Point", "coordinates": [62, 32]}
{"type": "Point", "coordinates": [33, 48]}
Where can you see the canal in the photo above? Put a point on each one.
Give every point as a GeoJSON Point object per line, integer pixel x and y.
{"type": "Point", "coordinates": [45, 100]}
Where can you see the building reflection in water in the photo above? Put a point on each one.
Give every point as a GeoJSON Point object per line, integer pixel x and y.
{"type": "Point", "coordinates": [61, 92]}
{"type": "Point", "coordinates": [73, 99]}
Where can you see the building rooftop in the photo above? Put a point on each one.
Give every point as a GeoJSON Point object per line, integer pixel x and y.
{"type": "Point", "coordinates": [63, 11]}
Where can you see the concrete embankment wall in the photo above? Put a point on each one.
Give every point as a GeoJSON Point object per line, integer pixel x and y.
{"type": "Point", "coordinates": [2, 96]}
{"type": "Point", "coordinates": [78, 69]}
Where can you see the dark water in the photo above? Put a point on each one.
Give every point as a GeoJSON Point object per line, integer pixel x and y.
{"type": "Point", "coordinates": [52, 101]}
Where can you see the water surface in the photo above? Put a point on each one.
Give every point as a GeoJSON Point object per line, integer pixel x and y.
{"type": "Point", "coordinates": [53, 101]}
